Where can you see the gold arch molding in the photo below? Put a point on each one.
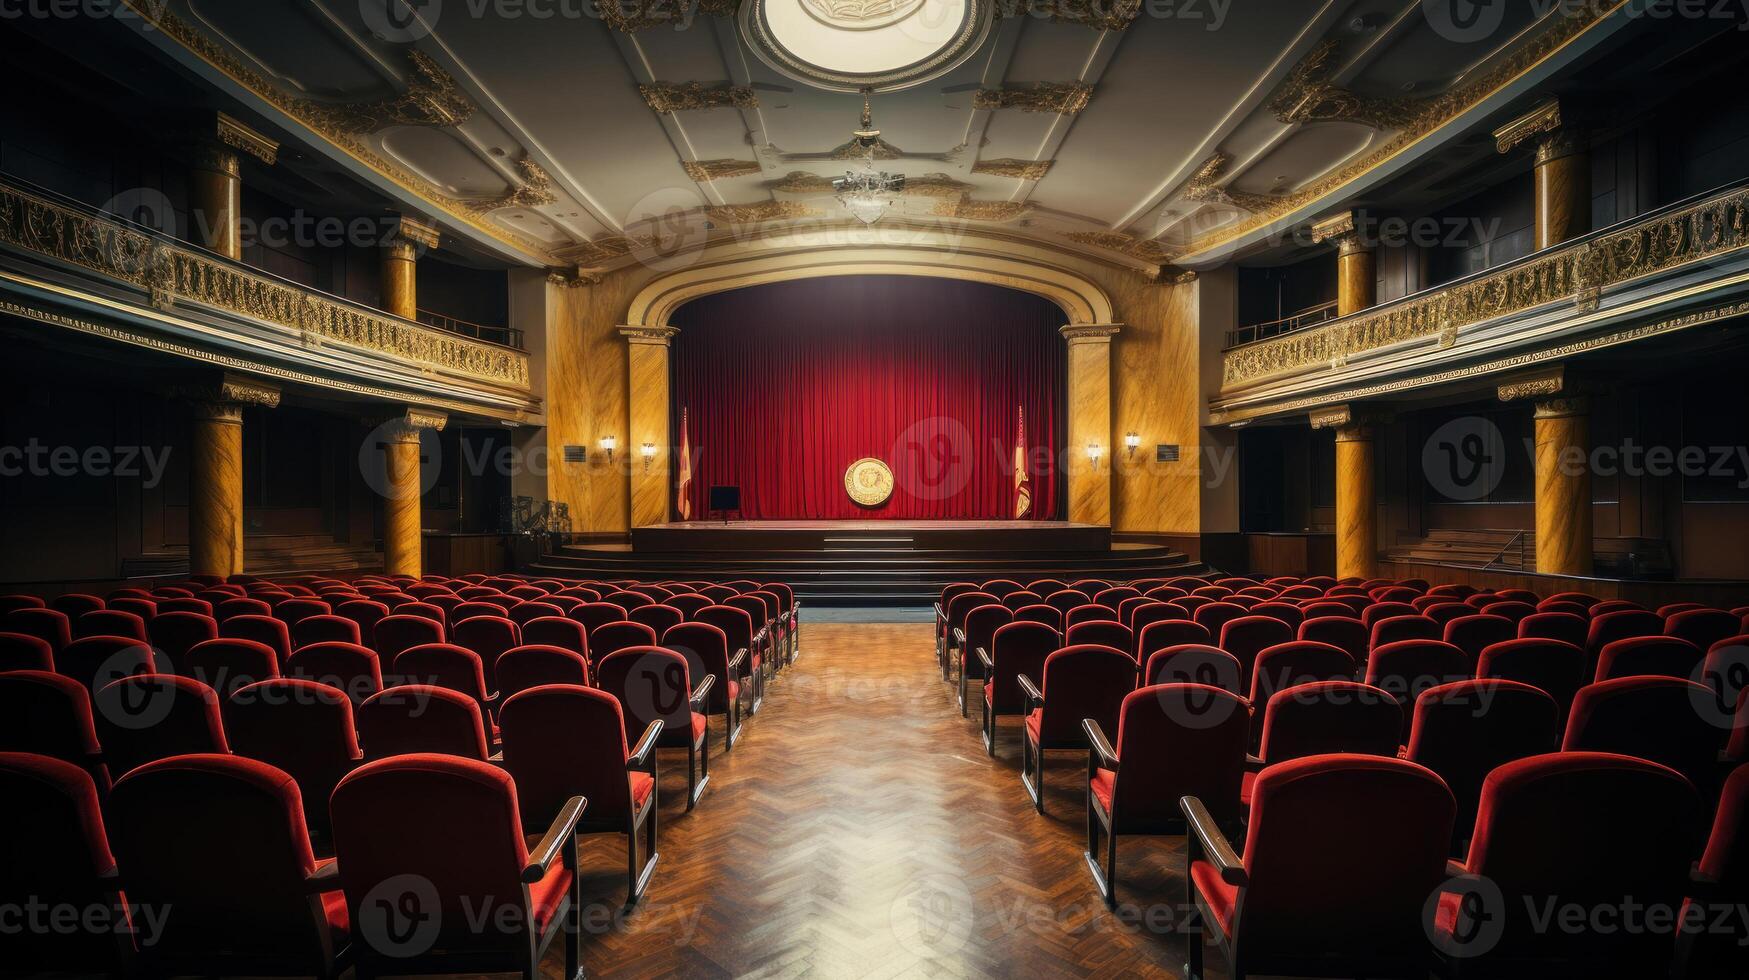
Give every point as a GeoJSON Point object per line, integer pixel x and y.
{"type": "Point", "coordinates": [803, 256]}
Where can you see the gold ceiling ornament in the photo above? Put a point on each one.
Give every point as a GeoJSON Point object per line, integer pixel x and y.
{"type": "Point", "coordinates": [1101, 15]}
{"type": "Point", "coordinates": [172, 275]}
{"type": "Point", "coordinates": [604, 248]}
{"type": "Point", "coordinates": [1062, 98]}
{"type": "Point", "coordinates": [532, 188]}
{"type": "Point", "coordinates": [1010, 167]}
{"type": "Point", "coordinates": [1202, 187]}
{"type": "Point", "coordinates": [1146, 249]}
{"type": "Point", "coordinates": [981, 210]}
{"type": "Point", "coordinates": [241, 138]}
{"type": "Point", "coordinates": [1575, 274]}
{"type": "Point", "coordinates": [875, 149]}
{"type": "Point", "coordinates": [572, 277]}
{"type": "Point", "coordinates": [705, 171]}
{"type": "Point", "coordinates": [666, 99]}
{"type": "Point", "coordinates": [935, 185]}
{"type": "Point", "coordinates": [1308, 95]}
{"type": "Point", "coordinates": [631, 16]}
{"type": "Point", "coordinates": [801, 182]}
{"type": "Point", "coordinates": [868, 482]}
{"type": "Point", "coordinates": [1540, 121]}
{"type": "Point", "coordinates": [432, 98]}
{"type": "Point", "coordinates": [1171, 275]}
{"type": "Point", "coordinates": [737, 214]}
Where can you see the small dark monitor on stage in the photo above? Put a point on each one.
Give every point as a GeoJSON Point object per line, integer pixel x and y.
{"type": "Point", "coordinates": [725, 498]}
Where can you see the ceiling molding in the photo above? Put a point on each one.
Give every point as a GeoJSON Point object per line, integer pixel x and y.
{"type": "Point", "coordinates": [697, 95]}
{"type": "Point", "coordinates": [705, 171]}
{"type": "Point", "coordinates": [1062, 98]}
{"type": "Point", "coordinates": [1017, 169]}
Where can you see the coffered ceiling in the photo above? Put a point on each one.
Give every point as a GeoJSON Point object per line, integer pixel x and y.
{"type": "Point", "coordinates": [548, 136]}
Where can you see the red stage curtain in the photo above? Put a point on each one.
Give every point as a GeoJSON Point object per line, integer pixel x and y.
{"type": "Point", "coordinates": [785, 385]}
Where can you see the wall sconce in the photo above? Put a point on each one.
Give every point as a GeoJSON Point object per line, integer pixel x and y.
{"type": "Point", "coordinates": [1093, 453]}
{"type": "Point", "coordinates": [1131, 442]}
{"type": "Point", "coordinates": [648, 450]}
{"type": "Point", "coordinates": [607, 444]}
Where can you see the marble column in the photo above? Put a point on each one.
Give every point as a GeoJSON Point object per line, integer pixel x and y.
{"type": "Point", "coordinates": [647, 422]}
{"type": "Point", "coordinates": [1563, 171]}
{"type": "Point", "coordinates": [1356, 277]}
{"type": "Point", "coordinates": [402, 487]}
{"type": "Point", "coordinates": [400, 258]}
{"type": "Point", "coordinates": [1563, 487]}
{"type": "Point", "coordinates": [215, 183]}
{"type": "Point", "coordinates": [1357, 514]}
{"type": "Point", "coordinates": [1089, 373]}
{"type": "Point", "coordinates": [215, 473]}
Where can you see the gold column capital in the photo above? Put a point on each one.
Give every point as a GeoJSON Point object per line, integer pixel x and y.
{"type": "Point", "coordinates": [413, 234]}
{"type": "Point", "coordinates": [1090, 333]}
{"type": "Point", "coordinates": [224, 398]}
{"type": "Point", "coordinates": [406, 426]}
{"type": "Point", "coordinates": [1344, 230]}
{"type": "Point", "coordinates": [1542, 384]}
{"type": "Point", "coordinates": [1334, 417]}
{"type": "Point", "coordinates": [1540, 121]}
{"type": "Point", "coordinates": [227, 131]}
{"type": "Point", "coordinates": [653, 336]}
{"type": "Point", "coordinates": [1569, 406]}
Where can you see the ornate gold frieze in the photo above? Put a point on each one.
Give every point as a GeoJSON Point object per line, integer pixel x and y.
{"type": "Point", "coordinates": [1334, 228]}
{"type": "Point", "coordinates": [801, 182]}
{"type": "Point", "coordinates": [655, 336]}
{"type": "Point", "coordinates": [1334, 417]}
{"type": "Point", "coordinates": [170, 274]}
{"type": "Point", "coordinates": [705, 171]}
{"type": "Point", "coordinates": [1101, 15]}
{"type": "Point", "coordinates": [631, 16]}
{"type": "Point", "coordinates": [604, 248]}
{"type": "Point", "coordinates": [532, 188]}
{"type": "Point", "coordinates": [432, 98]}
{"type": "Point", "coordinates": [981, 210]}
{"type": "Point", "coordinates": [1203, 186]}
{"type": "Point", "coordinates": [880, 149]}
{"type": "Point", "coordinates": [1544, 119]}
{"type": "Point", "coordinates": [1062, 98]}
{"type": "Point", "coordinates": [1171, 275]}
{"type": "Point", "coordinates": [1696, 233]}
{"type": "Point", "coordinates": [1090, 333]}
{"type": "Point", "coordinates": [237, 136]}
{"type": "Point", "coordinates": [935, 185]}
{"type": "Point", "coordinates": [572, 278]}
{"type": "Point", "coordinates": [1544, 385]}
{"type": "Point", "coordinates": [1146, 249]}
{"type": "Point", "coordinates": [697, 95]}
{"type": "Point", "coordinates": [224, 398]}
{"type": "Point", "coordinates": [1018, 169]}
{"type": "Point", "coordinates": [1308, 95]}
{"type": "Point", "coordinates": [736, 214]}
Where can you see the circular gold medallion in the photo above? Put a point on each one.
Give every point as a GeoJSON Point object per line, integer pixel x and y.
{"type": "Point", "coordinates": [869, 482]}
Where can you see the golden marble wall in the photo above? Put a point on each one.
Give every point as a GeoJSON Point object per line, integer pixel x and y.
{"type": "Point", "coordinates": [586, 400]}
{"type": "Point", "coordinates": [647, 412]}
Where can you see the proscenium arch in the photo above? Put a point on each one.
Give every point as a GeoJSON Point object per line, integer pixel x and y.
{"type": "Point", "coordinates": [801, 256]}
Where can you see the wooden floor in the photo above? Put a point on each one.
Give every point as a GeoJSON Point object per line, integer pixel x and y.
{"type": "Point", "coordinates": [859, 830]}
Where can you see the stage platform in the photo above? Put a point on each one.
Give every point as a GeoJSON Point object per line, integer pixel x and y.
{"type": "Point", "coordinates": [867, 563]}
{"type": "Point", "coordinates": [861, 537]}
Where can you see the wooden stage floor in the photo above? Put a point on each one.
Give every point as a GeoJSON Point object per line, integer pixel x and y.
{"type": "Point", "coordinates": [859, 830]}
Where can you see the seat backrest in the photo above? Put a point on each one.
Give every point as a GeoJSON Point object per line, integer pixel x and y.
{"type": "Point", "coordinates": [489, 637]}
{"type": "Point", "coordinates": [402, 817]}
{"type": "Point", "coordinates": [1022, 599]}
{"type": "Point", "coordinates": [295, 610]}
{"type": "Point", "coordinates": [1661, 656]}
{"type": "Point", "coordinates": [421, 718]}
{"type": "Point", "coordinates": [689, 603]}
{"type": "Point", "coordinates": [1100, 632]}
{"type": "Point", "coordinates": [1247, 636]}
{"type": "Point", "coordinates": [1330, 716]}
{"type": "Point", "coordinates": [1018, 648]}
{"type": "Point", "coordinates": [1040, 613]}
{"type": "Point", "coordinates": [298, 726]}
{"type": "Point", "coordinates": [49, 714]}
{"type": "Point", "coordinates": [1064, 600]}
{"type": "Point", "coordinates": [706, 649]}
{"type": "Point", "coordinates": [1464, 730]}
{"type": "Point", "coordinates": [522, 612]}
{"type": "Point", "coordinates": [241, 606]}
{"type": "Point", "coordinates": [366, 613]}
{"type": "Point", "coordinates": [1083, 682]}
{"type": "Point", "coordinates": [1407, 667]}
{"type": "Point", "coordinates": [228, 664]}
{"type": "Point", "coordinates": [262, 629]}
{"type": "Point", "coordinates": [1195, 663]}
{"type": "Point", "coordinates": [1376, 611]}
{"type": "Point", "coordinates": [110, 622]}
{"type": "Point", "coordinates": [1089, 613]}
{"type": "Point", "coordinates": [1297, 662]}
{"type": "Point", "coordinates": [324, 629]}
{"type": "Point", "coordinates": [1663, 719]}
{"type": "Point", "coordinates": [1345, 632]}
{"type": "Point", "coordinates": [659, 617]}
{"type": "Point", "coordinates": [1214, 616]}
{"type": "Point", "coordinates": [1472, 633]}
{"type": "Point", "coordinates": [1726, 672]}
{"type": "Point", "coordinates": [446, 665]}
{"type": "Point", "coordinates": [148, 717]}
{"type": "Point", "coordinates": [1114, 596]}
{"type": "Point", "coordinates": [1170, 633]}
{"type": "Point", "coordinates": [594, 614]}
{"type": "Point", "coordinates": [1554, 667]}
{"type": "Point", "coordinates": [1702, 627]}
{"type": "Point", "coordinates": [610, 637]}
{"type": "Point", "coordinates": [95, 661]}
{"type": "Point", "coordinates": [1310, 873]}
{"type": "Point", "coordinates": [1550, 829]}
{"type": "Point", "coordinates": [21, 651]}
{"type": "Point", "coordinates": [565, 740]}
{"type": "Point", "coordinates": [1619, 624]}
{"type": "Point", "coordinates": [76, 604]}
{"type": "Point", "coordinates": [396, 633]}
{"type": "Point", "coordinates": [1178, 740]}
{"type": "Point", "coordinates": [556, 631]}
{"type": "Point", "coordinates": [49, 624]}
{"type": "Point", "coordinates": [651, 683]}
{"type": "Point", "coordinates": [535, 664]}
{"type": "Point", "coordinates": [1566, 627]}
{"type": "Point", "coordinates": [1287, 612]}
{"type": "Point", "coordinates": [736, 625]}
{"type": "Point", "coordinates": [354, 669]}
{"type": "Point", "coordinates": [60, 855]}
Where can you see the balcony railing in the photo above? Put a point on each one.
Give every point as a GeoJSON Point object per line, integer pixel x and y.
{"type": "Point", "coordinates": [502, 336]}
{"type": "Point", "coordinates": [1311, 316]}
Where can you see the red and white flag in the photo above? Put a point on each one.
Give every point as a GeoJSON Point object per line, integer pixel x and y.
{"type": "Point", "coordinates": [1022, 482]}
{"type": "Point", "coordinates": [685, 495]}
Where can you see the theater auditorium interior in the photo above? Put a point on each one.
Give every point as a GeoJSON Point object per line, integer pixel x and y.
{"type": "Point", "coordinates": [874, 488]}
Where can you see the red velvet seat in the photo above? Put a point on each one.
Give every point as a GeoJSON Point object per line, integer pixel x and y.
{"type": "Point", "coordinates": [21, 651]}
{"type": "Point", "coordinates": [1659, 656]}
{"type": "Point", "coordinates": [49, 624]}
{"type": "Point", "coordinates": [1702, 627]}
{"type": "Point", "coordinates": [184, 603]}
{"type": "Point", "coordinates": [737, 627]}
{"type": "Point", "coordinates": [1408, 667]}
{"type": "Point", "coordinates": [1396, 629]}
{"type": "Point", "coordinates": [1550, 835]}
{"type": "Point", "coordinates": [1511, 609]}
{"type": "Point", "coordinates": [557, 631]}
{"type": "Point", "coordinates": [1472, 634]}
{"type": "Point", "coordinates": [1173, 741]}
{"type": "Point", "coordinates": [1101, 632]}
{"type": "Point", "coordinates": [1726, 672]}
{"type": "Point", "coordinates": [1167, 633]}
{"type": "Point", "coordinates": [1346, 633]}
{"type": "Point", "coordinates": [1326, 608]}
{"type": "Point", "coordinates": [76, 604]}
{"type": "Point", "coordinates": [1566, 627]}
{"type": "Point", "coordinates": [354, 669]}
{"type": "Point", "coordinates": [224, 609]}
{"type": "Point", "coordinates": [1310, 896]}
{"type": "Point", "coordinates": [1466, 729]}
{"type": "Point", "coordinates": [1326, 717]}
{"type": "Point", "coordinates": [48, 714]}
{"type": "Point", "coordinates": [657, 616]}
{"type": "Point", "coordinates": [689, 603]}
{"type": "Point", "coordinates": [464, 611]}
{"type": "Point", "coordinates": [1092, 612]}
{"type": "Point", "coordinates": [396, 633]}
{"type": "Point", "coordinates": [1554, 667]}
{"type": "Point", "coordinates": [95, 661]}
{"type": "Point", "coordinates": [595, 614]}
{"type": "Point", "coordinates": [1022, 599]}
{"type": "Point", "coordinates": [1046, 586]}
{"type": "Point", "coordinates": [149, 717]}
{"type": "Point", "coordinates": [301, 727]}
{"type": "Point", "coordinates": [58, 860]}
{"type": "Point", "coordinates": [1712, 938]}
{"type": "Point", "coordinates": [228, 664]}
{"type": "Point", "coordinates": [610, 637]}
{"type": "Point", "coordinates": [110, 622]}
{"type": "Point", "coordinates": [1287, 612]}
{"type": "Point", "coordinates": [1295, 662]}
{"type": "Point", "coordinates": [1195, 663]}
{"type": "Point", "coordinates": [1375, 612]}
{"type": "Point", "coordinates": [449, 666]}
{"type": "Point", "coordinates": [399, 820]}
{"type": "Point", "coordinates": [249, 899]}
{"type": "Point", "coordinates": [1064, 600]}
{"type": "Point", "coordinates": [628, 600]}
{"type": "Point", "coordinates": [14, 602]}
{"type": "Point", "coordinates": [1040, 613]}
{"type": "Point", "coordinates": [564, 741]}
{"type": "Point", "coordinates": [1076, 683]}
{"type": "Point", "coordinates": [535, 664]}
{"type": "Point", "coordinates": [266, 630]}
{"type": "Point", "coordinates": [323, 629]}
{"type": "Point", "coordinates": [1015, 649]}
{"type": "Point", "coordinates": [974, 633]}
{"type": "Point", "coordinates": [706, 649]}
{"type": "Point", "coordinates": [1247, 636]}
{"type": "Point", "coordinates": [655, 685]}
{"type": "Point", "coordinates": [426, 610]}
{"type": "Point", "coordinates": [367, 613]}
{"type": "Point", "coordinates": [1215, 615]}
{"type": "Point", "coordinates": [488, 637]}
{"type": "Point", "coordinates": [1618, 625]}
{"type": "Point", "coordinates": [294, 611]}
{"type": "Point", "coordinates": [1663, 719]}
{"type": "Point", "coordinates": [411, 719]}
{"type": "Point", "coordinates": [1441, 609]}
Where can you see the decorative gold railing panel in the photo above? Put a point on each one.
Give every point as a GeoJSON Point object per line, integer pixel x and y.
{"type": "Point", "coordinates": [171, 274]}
{"type": "Point", "coordinates": [1576, 273]}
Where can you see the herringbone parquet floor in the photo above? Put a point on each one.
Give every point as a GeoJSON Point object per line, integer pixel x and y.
{"type": "Point", "coordinates": [859, 830]}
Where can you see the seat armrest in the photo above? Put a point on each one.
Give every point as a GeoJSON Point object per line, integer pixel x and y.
{"type": "Point", "coordinates": [759, 637]}
{"type": "Point", "coordinates": [564, 829]}
{"type": "Point", "coordinates": [959, 637]}
{"type": "Point", "coordinates": [1455, 869]}
{"type": "Point", "coordinates": [738, 659]}
{"type": "Point", "coordinates": [703, 688]}
{"type": "Point", "coordinates": [1099, 745]}
{"type": "Point", "coordinates": [1253, 763]}
{"type": "Point", "coordinates": [1030, 691]}
{"type": "Point", "coordinates": [641, 753]}
{"type": "Point", "coordinates": [326, 878]}
{"type": "Point", "coordinates": [1213, 843]}
{"type": "Point", "coordinates": [985, 658]}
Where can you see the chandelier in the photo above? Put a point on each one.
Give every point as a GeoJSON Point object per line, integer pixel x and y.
{"type": "Point", "coordinates": [868, 193]}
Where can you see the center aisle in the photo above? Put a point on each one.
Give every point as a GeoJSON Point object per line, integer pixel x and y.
{"type": "Point", "coordinates": [859, 830]}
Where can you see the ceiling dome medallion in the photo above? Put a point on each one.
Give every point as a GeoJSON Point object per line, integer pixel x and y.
{"type": "Point", "coordinates": [857, 45]}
